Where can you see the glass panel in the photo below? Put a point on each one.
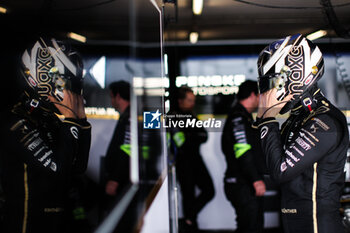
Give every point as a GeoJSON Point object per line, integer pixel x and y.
{"type": "Point", "coordinates": [143, 68]}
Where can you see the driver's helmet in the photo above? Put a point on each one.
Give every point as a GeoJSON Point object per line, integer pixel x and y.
{"type": "Point", "coordinates": [49, 66]}
{"type": "Point", "coordinates": [292, 65]}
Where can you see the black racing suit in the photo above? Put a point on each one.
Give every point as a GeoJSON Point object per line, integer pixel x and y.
{"type": "Point", "coordinates": [241, 147]}
{"type": "Point", "coordinates": [39, 156]}
{"type": "Point", "coordinates": [118, 152]}
{"type": "Point", "coordinates": [307, 159]}
{"type": "Point", "coordinates": [190, 167]}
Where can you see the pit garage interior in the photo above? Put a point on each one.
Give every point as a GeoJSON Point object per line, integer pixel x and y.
{"type": "Point", "coordinates": [159, 45]}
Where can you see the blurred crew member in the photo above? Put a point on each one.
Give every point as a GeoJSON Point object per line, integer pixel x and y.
{"type": "Point", "coordinates": [244, 184]}
{"type": "Point", "coordinates": [190, 168]}
{"type": "Point", "coordinates": [118, 152]}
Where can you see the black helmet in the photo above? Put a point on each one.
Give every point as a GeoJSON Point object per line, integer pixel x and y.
{"type": "Point", "coordinates": [293, 65]}
{"type": "Point", "coordinates": [50, 66]}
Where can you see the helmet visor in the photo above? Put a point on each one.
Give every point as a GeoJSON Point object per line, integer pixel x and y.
{"type": "Point", "coordinates": [274, 80]}
{"type": "Point", "coordinates": [62, 82]}
{"type": "Point", "coordinates": [268, 82]}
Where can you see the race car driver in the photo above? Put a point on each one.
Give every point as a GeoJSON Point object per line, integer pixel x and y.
{"type": "Point", "coordinates": [40, 152]}
{"type": "Point", "coordinates": [307, 156]}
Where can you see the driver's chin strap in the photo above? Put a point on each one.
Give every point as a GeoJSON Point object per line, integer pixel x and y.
{"type": "Point", "coordinates": [31, 104]}
{"type": "Point", "coordinates": [309, 102]}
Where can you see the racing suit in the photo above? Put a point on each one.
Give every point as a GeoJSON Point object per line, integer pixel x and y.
{"type": "Point", "coordinates": [307, 159]}
{"type": "Point", "coordinates": [241, 147]}
{"type": "Point", "coordinates": [40, 155]}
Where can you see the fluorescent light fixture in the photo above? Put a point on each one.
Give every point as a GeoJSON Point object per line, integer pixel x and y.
{"type": "Point", "coordinates": [193, 37]}
{"type": "Point", "coordinates": [3, 10]}
{"type": "Point", "coordinates": [316, 35]}
{"type": "Point", "coordinates": [77, 37]}
{"type": "Point", "coordinates": [197, 7]}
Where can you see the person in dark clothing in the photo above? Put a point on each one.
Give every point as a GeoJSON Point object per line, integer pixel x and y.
{"type": "Point", "coordinates": [243, 182]}
{"type": "Point", "coordinates": [307, 156]}
{"type": "Point", "coordinates": [40, 152]}
{"type": "Point", "coordinates": [118, 152]}
{"type": "Point", "coordinates": [190, 168]}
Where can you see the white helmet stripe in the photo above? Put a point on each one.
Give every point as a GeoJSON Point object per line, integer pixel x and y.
{"type": "Point", "coordinates": [26, 62]}
{"type": "Point", "coordinates": [281, 51]}
{"type": "Point", "coordinates": [28, 59]}
{"type": "Point", "coordinates": [57, 52]}
{"type": "Point", "coordinates": [310, 59]}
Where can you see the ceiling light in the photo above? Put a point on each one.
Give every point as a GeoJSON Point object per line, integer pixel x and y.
{"type": "Point", "coordinates": [193, 37]}
{"type": "Point", "coordinates": [316, 35]}
{"type": "Point", "coordinates": [197, 7]}
{"type": "Point", "coordinates": [77, 37]}
{"type": "Point", "coordinates": [3, 10]}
